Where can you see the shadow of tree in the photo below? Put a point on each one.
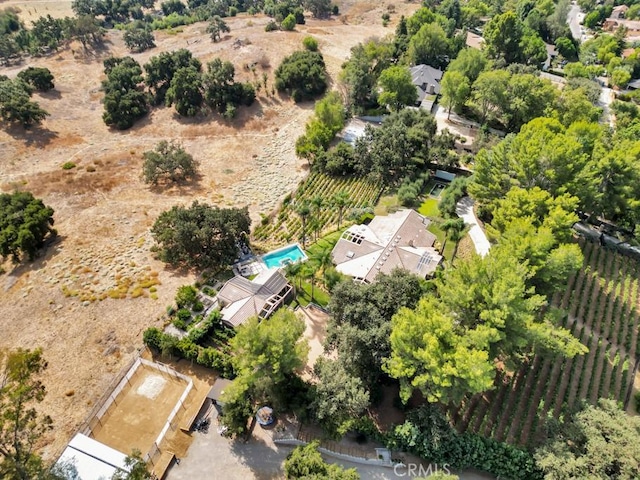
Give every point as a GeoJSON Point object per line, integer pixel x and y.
{"type": "Point", "coordinates": [34, 136]}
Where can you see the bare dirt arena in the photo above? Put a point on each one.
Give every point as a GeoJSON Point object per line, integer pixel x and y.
{"type": "Point", "coordinates": [136, 418]}
{"type": "Point", "coordinates": [87, 301]}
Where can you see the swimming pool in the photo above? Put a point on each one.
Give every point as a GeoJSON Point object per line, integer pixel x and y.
{"type": "Point", "coordinates": [283, 256]}
{"type": "Point", "coordinates": [437, 190]}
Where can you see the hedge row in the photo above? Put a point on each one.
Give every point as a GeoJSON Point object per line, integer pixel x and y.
{"type": "Point", "coordinates": [188, 348]}
{"type": "Point", "coordinates": [427, 434]}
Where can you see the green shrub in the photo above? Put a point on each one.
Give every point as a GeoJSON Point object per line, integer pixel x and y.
{"type": "Point", "coordinates": [186, 296]}
{"type": "Point", "coordinates": [302, 74]}
{"type": "Point", "coordinates": [210, 357]}
{"type": "Point", "coordinates": [271, 26]}
{"type": "Point", "coordinates": [289, 23]}
{"type": "Point", "coordinates": [68, 165]}
{"type": "Point", "coordinates": [233, 11]}
{"type": "Point", "coordinates": [152, 338]}
{"type": "Point", "coordinates": [427, 434]}
{"type": "Point", "coordinates": [310, 43]}
{"type": "Point", "coordinates": [39, 78]}
{"type": "Point", "coordinates": [198, 306]}
{"type": "Point", "coordinates": [179, 323]}
{"type": "Point", "coordinates": [636, 398]}
{"type": "Point", "coordinates": [184, 315]}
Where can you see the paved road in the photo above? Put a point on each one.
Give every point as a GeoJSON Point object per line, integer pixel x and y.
{"type": "Point", "coordinates": [606, 97]}
{"type": "Point", "coordinates": [574, 18]}
{"type": "Point", "coordinates": [464, 209]}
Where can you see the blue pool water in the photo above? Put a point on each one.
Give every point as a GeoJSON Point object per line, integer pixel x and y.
{"type": "Point", "coordinates": [283, 256]}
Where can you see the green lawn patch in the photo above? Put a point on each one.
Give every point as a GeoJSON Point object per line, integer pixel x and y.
{"type": "Point", "coordinates": [324, 242]}
{"type": "Point", "coordinates": [449, 249]}
{"type": "Point", "coordinates": [387, 204]}
{"type": "Point", "coordinates": [319, 296]}
{"type": "Point", "coordinates": [429, 208]}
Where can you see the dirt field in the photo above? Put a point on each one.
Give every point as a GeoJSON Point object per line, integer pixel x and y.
{"type": "Point", "coordinates": [137, 416]}
{"type": "Point", "coordinates": [87, 301]}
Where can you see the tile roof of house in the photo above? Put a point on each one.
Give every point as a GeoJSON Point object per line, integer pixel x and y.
{"type": "Point", "coordinates": [243, 298]}
{"type": "Point", "coordinates": [399, 240]}
{"type": "Point", "coordinates": [474, 40]}
{"type": "Point", "coordinates": [424, 75]}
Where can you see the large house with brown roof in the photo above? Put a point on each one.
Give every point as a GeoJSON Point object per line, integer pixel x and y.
{"type": "Point", "coordinates": [241, 298]}
{"type": "Point", "coordinates": [399, 240]}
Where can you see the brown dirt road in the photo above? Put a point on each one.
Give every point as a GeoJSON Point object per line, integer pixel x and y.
{"type": "Point", "coordinates": [104, 212]}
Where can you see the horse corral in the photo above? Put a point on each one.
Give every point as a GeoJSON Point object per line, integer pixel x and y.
{"type": "Point", "coordinates": [147, 404]}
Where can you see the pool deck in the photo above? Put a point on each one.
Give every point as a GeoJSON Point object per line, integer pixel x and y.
{"type": "Point", "coordinates": [255, 264]}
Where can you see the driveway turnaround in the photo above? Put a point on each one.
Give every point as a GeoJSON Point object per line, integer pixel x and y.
{"type": "Point", "coordinates": [214, 457]}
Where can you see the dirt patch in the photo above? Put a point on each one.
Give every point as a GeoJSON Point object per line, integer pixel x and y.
{"type": "Point", "coordinates": [30, 10]}
{"type": "Point", "coordinates": [84, 301]}
{"type": "Point", "coordinates": [315, 333]}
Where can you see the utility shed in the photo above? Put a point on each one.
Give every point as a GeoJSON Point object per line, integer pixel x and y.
{"type": "Point", "coordinates": [92, 460]}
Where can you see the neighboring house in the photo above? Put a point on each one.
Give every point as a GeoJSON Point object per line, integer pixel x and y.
{"type": "Point", "coordinates": [474, 41]}
{"type": "Point", "coordinates": [399, 240]}
{"type": "Point", "coordinates": [427, 82]}
{"type": "Point", "coordinates": [93, 460]}
{"type": "Point", "coordinates": [619, 12]}
{"type": "Point", "coordinates": [634, 85]}
{"type": "Point", "coordinates": [241, 298]}
{"type": "Point", "coordinates": [632, 26]}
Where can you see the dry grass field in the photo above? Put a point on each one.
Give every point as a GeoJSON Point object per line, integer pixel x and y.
{"type": "Point", "coordinates": [88, 299]}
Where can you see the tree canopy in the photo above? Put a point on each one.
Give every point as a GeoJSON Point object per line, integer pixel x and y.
{"type": "Point", "coordinates": [139, 39]}
{"type": "Point", "coordinates": [360, 322]}
{"type": "Point", "coordinates": [161, 69]}
{"type": "Point", "coordinates": [397, 88]}
{"type": "Point", "coordinates": [601, 441]}
{"type": "Point", "coordinates": [170, 161]}
{"type": "Point", "coordinates": [124, 101]}
{"type": "Point", "coordinates": [21, 426]}
{"type": "Point", "coordinates": [25, 224]}
{"type": "Point", "coordinates": [583, 160]}
{"type": "Point", "coordinates": [16, 105]}
{"type": "Point", "coordinates": [38, 77]}
{"type": "Point", "coordinates": [305, 462]}
{"type": "Point", "coordinates": [485, 311]}
{"type": "Point", "coordinates": [266, 355]}
{"type": "Point", "coordinates": [302, 75]}
{"type": "Point", "coordinates": [200, 236]}
{"type": "Point", "coordinates": [398, 148]}
{"type": "Point", "coordinates": [339, 396]}
{"type": "Point", "coordinates": [185, 91]}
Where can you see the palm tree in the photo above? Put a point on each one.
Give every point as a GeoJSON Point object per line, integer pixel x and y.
{"type": "Point", "coordinates": [315, 225]}
{"type": "Point", "coordinates": [308, 272]}
{"type": "Point", "coordinates": [340, 200]}
{"type": "Point", "coordinates": [293, 273]}
{"type": "Point", "coordinates": [303, 210]}
{"type": "Point", "coordinates": [322, 259]}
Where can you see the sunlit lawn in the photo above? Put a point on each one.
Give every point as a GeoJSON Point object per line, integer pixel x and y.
{"type": "Point", "coordinates": [429, 208]}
